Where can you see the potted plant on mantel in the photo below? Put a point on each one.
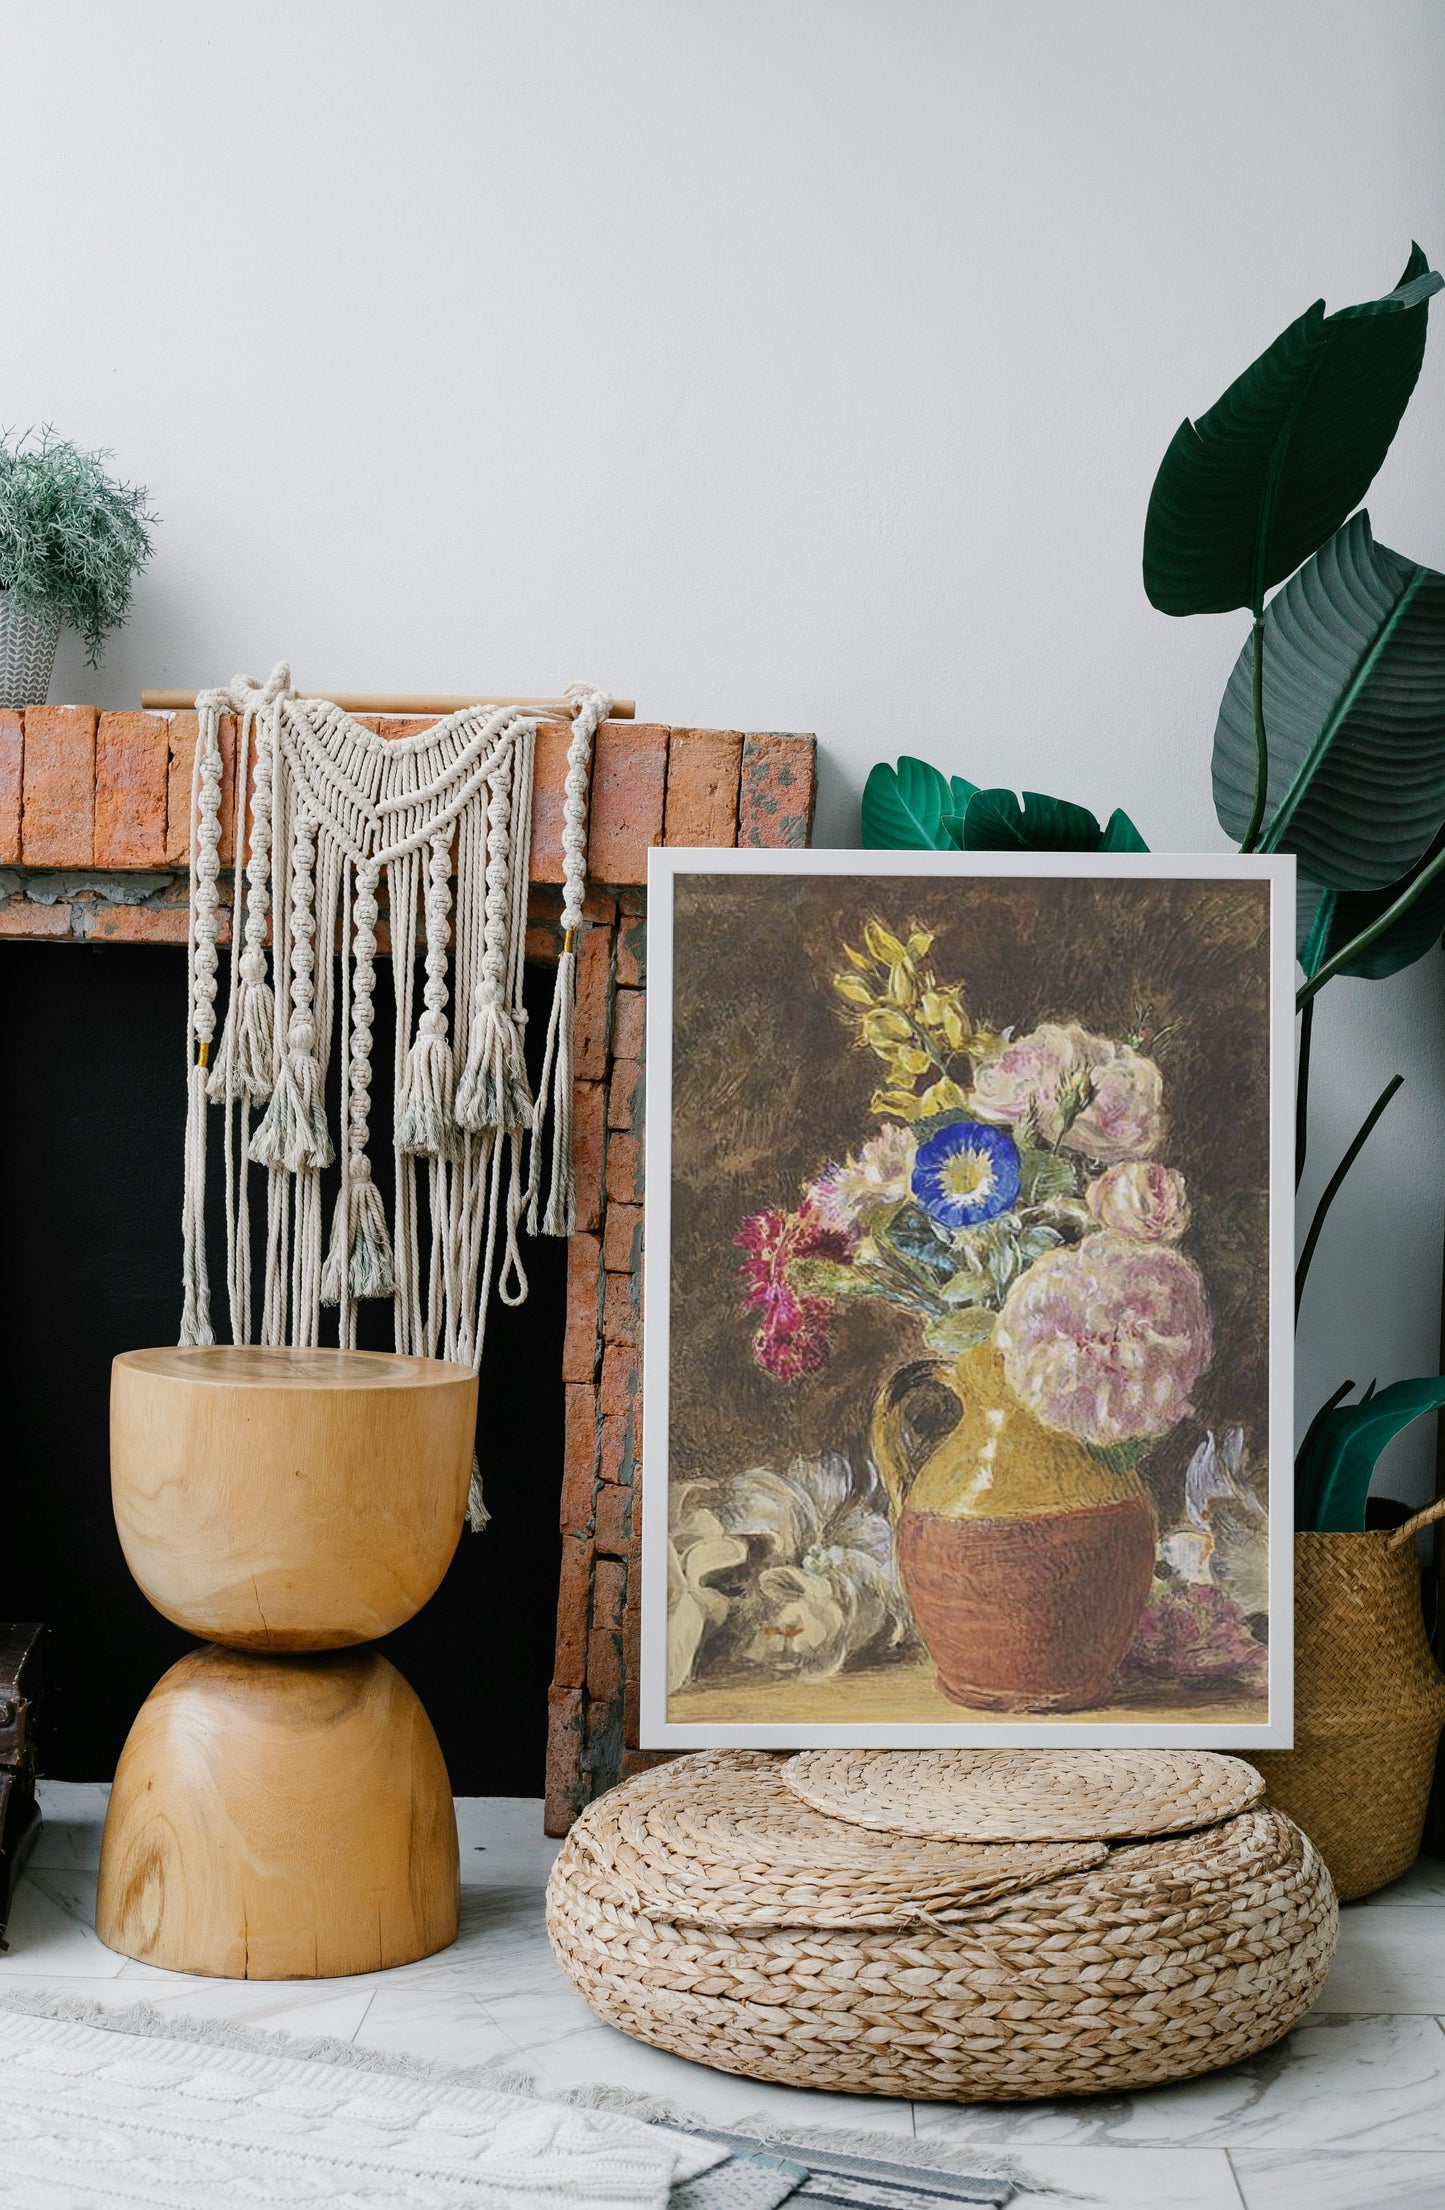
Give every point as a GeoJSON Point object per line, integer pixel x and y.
{"type": "Point", "coordinates": [1330, 744]}
{"type": "Point", "coordinates": [72, 541]}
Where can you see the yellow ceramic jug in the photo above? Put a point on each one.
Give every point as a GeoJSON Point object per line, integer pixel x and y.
{"type": "Point", "coordinates": [1027, 1562]}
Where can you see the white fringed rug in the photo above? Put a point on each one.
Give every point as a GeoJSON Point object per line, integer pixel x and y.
{"type": "Point", "coordinates": [103, 2110]}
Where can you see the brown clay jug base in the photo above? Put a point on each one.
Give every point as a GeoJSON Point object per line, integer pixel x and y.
{"type": "Point", "coordinates": [989, 1699]}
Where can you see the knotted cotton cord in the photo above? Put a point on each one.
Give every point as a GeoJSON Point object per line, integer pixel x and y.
{"type": "Point", "coordinates": [444, 817]}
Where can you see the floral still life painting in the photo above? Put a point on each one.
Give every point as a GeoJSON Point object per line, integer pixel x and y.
{"type": "Point", "coordinates": [971, 1301]}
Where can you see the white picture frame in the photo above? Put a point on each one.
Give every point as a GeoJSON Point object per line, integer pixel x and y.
{"type": "Point", "coordinates": [666, 1722]}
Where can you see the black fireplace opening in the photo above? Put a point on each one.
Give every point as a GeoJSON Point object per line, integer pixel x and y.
{"type": "Point", "coordinates": [92, 1111]}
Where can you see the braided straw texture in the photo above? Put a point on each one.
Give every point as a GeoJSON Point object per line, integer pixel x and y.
{"type": "Point", "coordinates": [1168, 1959]}
{"type": "Point", "coordinates": [1369, 1703]}
{"type": "Point", "coordinates": [1025, 1795]}
{"type": "Point", "coordinates": [737, 1849]}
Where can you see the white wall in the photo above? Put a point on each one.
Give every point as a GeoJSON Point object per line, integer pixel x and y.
{"type": "Point", "coordinates": [789, 363]}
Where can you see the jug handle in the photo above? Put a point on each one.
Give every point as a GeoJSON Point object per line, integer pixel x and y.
{"type": "Point", "coordinates": [898, 1462]}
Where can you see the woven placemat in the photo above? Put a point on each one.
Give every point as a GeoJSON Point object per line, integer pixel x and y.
{"type": "Point", "coordinates": [1024, 1795]}
{"type": "Point", "coordinates": [729, 1844]}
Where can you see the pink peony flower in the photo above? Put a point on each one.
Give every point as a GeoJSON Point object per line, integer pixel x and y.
{"type": "Point", "coordinates": [796, 1332]}
{"type": "Point", "coordinates": [1121, 1116]}
{"type": "Point", "coordinates": [1104, 1339]}
{"type": "Point", "coordinates": [1139, 1197]}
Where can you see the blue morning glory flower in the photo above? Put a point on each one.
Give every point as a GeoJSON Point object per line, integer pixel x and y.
{"type": "Point", "coordinates": [966, 1173]}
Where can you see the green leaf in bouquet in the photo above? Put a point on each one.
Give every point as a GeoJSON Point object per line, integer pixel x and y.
{"type": "Point", "coordinates": [961, 1330]}
{"type": "Point", "coordinates": [998, 821]}
{"type": "Point", "coordinates": [1121, 1457]}
{"type": "Point", "coordinates": [1045, 1175]}
{"type": "Point", "coordinates": [1354, 710]}
{"type": "Point", "coordinates": [1259, 482]}
{"type": "Point", "coordinates": [913, 1236]}
{"type": "Point", "coordinates": [904, 807]}
{"type": "Point", "coordinates": [826, 1277]}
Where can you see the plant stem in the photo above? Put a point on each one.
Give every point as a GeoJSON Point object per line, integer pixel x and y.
{"type": "Point", "coordinates": [1261, 746]}
{"type": "Point", "coordinates": [1332, 1187]}
{"type": "Point", "coordinates": [1302, 1092]}
{"type": "Point", "coordinates": [1367, 937]}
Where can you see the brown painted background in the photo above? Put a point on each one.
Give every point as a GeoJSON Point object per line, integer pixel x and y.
{"type": "Point", "coordinates": [768, 1086]}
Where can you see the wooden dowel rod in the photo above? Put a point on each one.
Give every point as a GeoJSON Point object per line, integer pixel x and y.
{"type": "Point", "coordinates": [367, 702]}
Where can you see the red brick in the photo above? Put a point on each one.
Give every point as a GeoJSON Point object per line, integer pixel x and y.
{"type": "Point", "coordinates": [609, 1594]}
{"type": "Point", "coordinates": [594, 1004]}
{"type": "Point", "coordinates": [632, 951]}
{"type": "Point", "coordinates": [624, 1169]}
{"type": "Point", "coordinates": [12, 755]}
{"type": "Point", "coordinates": [620, 1313]}
{"type": "Point", "coordinates": [589, 1137]}
{"type": "Point", "coordinates": [58, 824]}
{"type": "Point", "coordinates": [21, 917]}
{"type": "Point", "coordinates": [629, 793]}
{"type": "Point", "coordinates": [622, 1239]}
{"type": "Point", "coordinates": [614, 1508]}
{"type": "Point", "coordinates": [180, 767]}
{"type": "Point", "coordinates": [564, 1760]}
{"type": "Point", "coordinates": [703, 771]}
{"type": "Point", "coordinates": [779, 790]}
{"type": "Point", "coordinates": [604, 1669]}
{"type": "Point", "coordinates": [135, 924]}
{"type": "Point", "coordinates": [629, 1024]}
{"type": "Point", "coordinates": [599, 908]}
{"type": "Point", "coordinates": [624, 1096]}
{"type": "Point", "coordinates": [616, 1457]}
{"type": "Point", "coordinates": [579, 1456]}
{"type": "Point", "coordinates": [584, 1286]}
{"type": "Point", "coordinates": [132, 759]}
{"type": "Point", "coordinates": [573, 1593]}
{"type": "Point", "coordinates": [619, 1379]}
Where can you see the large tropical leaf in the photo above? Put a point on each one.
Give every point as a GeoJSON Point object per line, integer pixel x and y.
{"type": "Point", "coordinates": [1337, 1462]}
{"type": "Point", "coordinates": [1258, 483]}
{"type": "Point", "coordinates": [903, 807]}
{"type": "Point", "coordinates": [995, 821]}
{"type": "Point", "coordinates": [1328, 920]}
{"type": "Point", "coordinates": [1354, 712]}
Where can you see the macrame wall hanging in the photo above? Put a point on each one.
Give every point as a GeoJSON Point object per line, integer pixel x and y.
{"type": "Point", "coordinates": [444, 819]}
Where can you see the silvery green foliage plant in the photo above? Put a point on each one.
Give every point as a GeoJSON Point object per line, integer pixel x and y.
{"type": "Point", "coordinates": [72, 539]}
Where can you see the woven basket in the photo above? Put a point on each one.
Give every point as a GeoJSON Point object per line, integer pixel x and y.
{"type": "Point", "coordinates": [1167, 1959]}
{"type": "Point", "coordinates": [1369, 1706]}
{"type": "Point", "coordinates": [27, 653]}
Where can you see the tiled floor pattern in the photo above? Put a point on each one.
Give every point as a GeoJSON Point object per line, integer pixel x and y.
{"type": "Point", "coordinates": [1347, 2114]}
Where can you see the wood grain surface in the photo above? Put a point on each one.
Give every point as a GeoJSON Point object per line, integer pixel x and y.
{"type": "Point", "coordinates": [289, 1500]}
{"type": "Point", "coordinates": [279, 1818]}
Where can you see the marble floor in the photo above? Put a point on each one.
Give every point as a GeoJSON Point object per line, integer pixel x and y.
{"type": "Point", "coordinates": [1347, 2114]}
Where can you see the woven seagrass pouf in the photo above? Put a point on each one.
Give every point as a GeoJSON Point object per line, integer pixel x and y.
{"type": "Point", "coordinates": [705, 1907]}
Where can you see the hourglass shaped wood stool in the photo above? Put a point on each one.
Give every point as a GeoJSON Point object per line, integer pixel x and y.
{"type": "Point", "coordinates": [281, 1809]}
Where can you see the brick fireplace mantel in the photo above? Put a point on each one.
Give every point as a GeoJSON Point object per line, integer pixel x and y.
{"type": "Point", "coordinates": [94, 844]}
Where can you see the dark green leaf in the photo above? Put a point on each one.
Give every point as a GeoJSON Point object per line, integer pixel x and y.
{"type": "Point", "coordinates": [914, 1237]}
{"type": "Point", "coordinates": [1354, 709]}
{"type": "Point", "coordinates": [995, 821]}
{"type": "Point", "coordinates": [1044, 1175]}
{"type": "Point", "coordinates": [903, 807]}
{"type": "Point", "coordinates": [1258, 483]}
{"type": "Point", "coordinates": [1348, 1442]}
{"type": "Point", "coordinates": [1328, 920]}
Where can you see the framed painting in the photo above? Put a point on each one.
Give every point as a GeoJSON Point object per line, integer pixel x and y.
{"type": "Point", "coordinates": [968, 1337]}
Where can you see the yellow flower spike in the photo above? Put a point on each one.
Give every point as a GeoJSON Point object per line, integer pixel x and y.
{"type": "Point", "coordinates": [957, 1029]}
{"type": "Point", "coordinates": [919, 941]}
{"type": "Point", "coordinates": [882, 1028]}
{"type": "Point", "coordinates": [883, 946]}
{"type": "Point", "coordinates": [932, 1010]}
{"type": "Point", "coordinates": [943, 1097]}
{"type": "Point", "coordinates": [901, 1104]}
{"type": "Point", "coordinates": [854, 989]}
{"type": "Point", "coordinates": [902, 985]}
{"type": "Point", "coordinates": [912, 1061]}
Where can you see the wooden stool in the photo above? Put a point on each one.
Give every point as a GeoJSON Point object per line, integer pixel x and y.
{"type": "Point", "coordinates": [279, 1814]}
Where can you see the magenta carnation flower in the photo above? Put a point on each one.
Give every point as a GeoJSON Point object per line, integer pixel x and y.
{"type": "Point", "coordinates": [1105, 1339]}
{"type": "Point", "coordinates": [796, 1332]}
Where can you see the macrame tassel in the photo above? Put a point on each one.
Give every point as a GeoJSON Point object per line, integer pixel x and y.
{"type": "Point", "coordinates": [293, 1133]}
{"type": "Point", "coordinates": [494, 1091]}
{"type": "Point", "coordinates": [560, 1214]}
{"type": "Point", "coordinates": [426, 1117]}
{"type": "Point", "coordinates": [244, 1069]}
{"type": "Point", "coordinates": [478, 1516]}
{"type": "Point", "coordinates": [196, 1289]}
{"type": "Point", "coordinates": [365, 1246]}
